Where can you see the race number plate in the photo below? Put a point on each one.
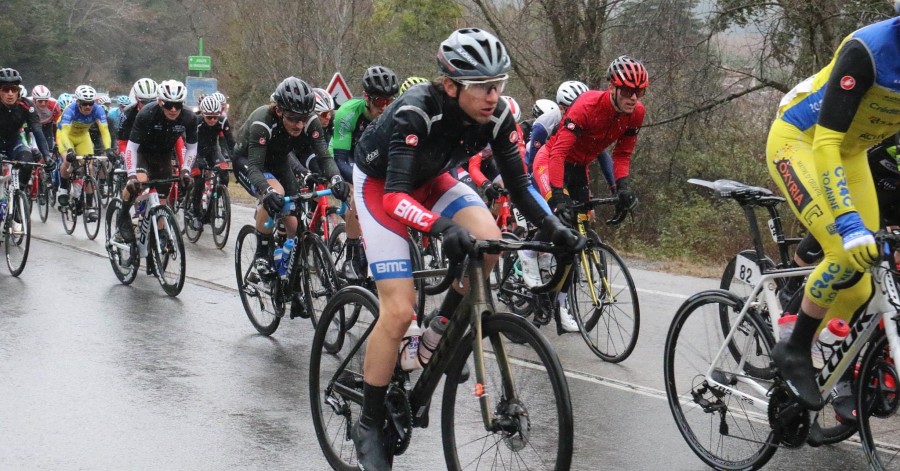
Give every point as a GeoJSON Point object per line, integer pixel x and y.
{"type": "Point", "coordinates": [746, 270]}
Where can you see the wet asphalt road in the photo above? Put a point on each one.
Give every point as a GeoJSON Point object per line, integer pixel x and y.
{"type": "Point", "coordinates": [96, 375]}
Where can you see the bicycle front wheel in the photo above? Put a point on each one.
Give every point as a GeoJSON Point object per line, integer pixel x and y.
{"type": "Point", "coordinates": [69, 216]}
{"type": "Point", "coordinates": [529, 396]}
{"type": "Point", "coordinates": [605, 303]}
{"type": "Point", "coordinates": [258, 296]}
{"type": "Point", "coordinates": [17, 233]}
{"type": "Point", "coordinates": [192, 234]}
{"type": "Point", "coordinates": [92, 207]}
{"type": "Point", "coordinates": [878, 397]}
{"type": "Point", "coordinates": [168, 250]}
{"type": "Point", "coordinates": [317, 274]}
{"type": "Point", "coordinates": [220, 214]}
{"type": "Point", "coordinates": [43, 194]}
{"type": "Point", "coordinates": [336, 372]}
{"type": "Point", "coordinates": [724, 430]}
{"type": "Point", "coordinates": [125, 261]}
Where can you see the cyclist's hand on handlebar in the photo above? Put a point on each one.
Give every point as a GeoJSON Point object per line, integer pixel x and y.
{"type": "Point", "coordinates": [70, 156]}
{"type": "Point", "coordinates": [491, 190]}
{"type": "Point", "coordinates": [186, 179]}
{"type": "Point", "coordinates": [339, 188]}
{"type": "Point", "coordinates": [457, 242]}
{"type": "Point", "coordinates": [858, 241]}
{"type": "Point", "coordinates": [133, 186]}
{"type": "Point", "coordinates": [562, 235]}
{"type": "Point", "coordinates": [627, 198]}
{"type": "Point", "coordinates": [562, 204]}
{"type": "Point", "coordinates": [273, 202]}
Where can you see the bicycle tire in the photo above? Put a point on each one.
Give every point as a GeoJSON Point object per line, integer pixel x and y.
{"type": "Point", "coordinates": [418, 263]}
{"type": "Point", "coordinates": [125, 265]}
{"type": "Point", "coordinates": [684, 369]}
{"type": "Point", "coordinates": [268, 317]}
{"type": "Point", "coordinates": [337, 246]}
{"type": "Point", "coordinates": [317, 274]}
{"type": "Point", "coordinates": [877, 400]}
{"type": "Point", "coordinates": [69, 218]}
{"type": "Point", "coordinates": [170, 260]}
{"type": "Point", "coordinates": [540, 377]}
{"type": "Point", "coordinates": [220, 216]}
{"type": "Point", "coordinates": [91, 229]}
{"type": "Point", "coordinates": [192, 234]}
{"type": "Point", "coordinates": [606, 310]}
{"type": "Point", "coordinates": [17, 233]}
{"type": "Point", "coordinates": [332, 411]}
{"type": "Point", "coordinates": [43, 195]}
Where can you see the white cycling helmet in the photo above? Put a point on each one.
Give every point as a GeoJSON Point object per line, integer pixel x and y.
{"type": "Point", "coordinates": [543, 106]}
{"type": "Point", "coordinates": [210, 105]}
{"type": "Point", "coordinates": [85, 93]}
{"type": "Point", "coordinates": [145, 90]}
{"type": "Point", "coordinates": [23, 92]}
{"type": "Point", "coordinates": [103, 100]}
{"type": "Point", "coordinates": [172, 90]}
{"type": "Point", "coordinates": [514, 107]}
{"type": "Point", "coordinates": [324, 101]}
{"type": "Point", "coordinates": [221, 97]}
{"type": "Point", "coordinates": [40, 92]}
{"type": "Point", "coordinates": [568, 91]}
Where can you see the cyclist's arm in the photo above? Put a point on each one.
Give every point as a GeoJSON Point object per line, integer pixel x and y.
{"type": "Point", "coordinates": [103, 127]}
{"type": "Point", "coordinates": [63, 141]}
{"type": "Point", "coordinates": [34, 122]}
{"type": "Point", "coordinates": [569, 131]}
{"type": "Point", "coordinates": [324, 160]}
{"type": "Point", "coordinates": [515, 179]}
{"type": "Point", "coordinates": [228, 137]}
{"type": "Point", "coordinates": [257, 146]}
{"type": "Point", "coordinates": [621, 155]}
{"type": "Point", "coordinates": [839, 106]}
{"type": "Point", "coordinates": [606, 167]}
{"type": "Point", "coordinates": [190, 139]}
{"type": "Point", "coordinates": [474, 169]}
{"type": "Point", "coordinates": [539, 137]}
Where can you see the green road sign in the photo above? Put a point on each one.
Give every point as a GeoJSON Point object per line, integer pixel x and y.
{"type": "Point", "coordinates": [199, 63]}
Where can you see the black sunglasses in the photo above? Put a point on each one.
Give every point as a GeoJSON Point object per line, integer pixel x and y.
{"type": "Point", "coordinates": [296, 118]}
{"type": "Point", "coordinates": [84, 104]}
{"type": "Point", "coordinates": [172, 105]}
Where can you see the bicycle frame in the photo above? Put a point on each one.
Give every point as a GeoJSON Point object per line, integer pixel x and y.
{"type": "Point", "coordinates": [883, 306]}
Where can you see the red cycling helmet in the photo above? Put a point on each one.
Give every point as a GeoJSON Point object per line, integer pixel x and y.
{"type": "Point", "coordinates": [627, 72]}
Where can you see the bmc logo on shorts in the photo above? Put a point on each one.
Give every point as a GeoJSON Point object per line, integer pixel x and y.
{"type": "Point", "coordinates": [390, 266]}
{"type": "Point", "coordinates": [412, 213]}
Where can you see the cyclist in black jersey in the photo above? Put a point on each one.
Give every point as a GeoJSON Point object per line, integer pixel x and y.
{"type": "Point", "coordinates": [16, 113]}
{"type": "Point", "coordinates": [401, 181]}
{"type": "Point", "coordinates": [268, 135]}
{"type": "Point", "coordinates": [215, 143]}
{"type": "Point", "coordinates": [148, 154]}
{"type": "Point", "coordinates": [306, 161]}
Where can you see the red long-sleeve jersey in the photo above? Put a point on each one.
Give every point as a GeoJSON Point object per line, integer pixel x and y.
{"type": "Point", "coordinates": [589, 126]}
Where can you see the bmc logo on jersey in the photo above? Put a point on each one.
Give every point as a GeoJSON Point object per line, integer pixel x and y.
{"type": "Point", "coordinates": [412, 140]}
{"type": "Point", "coordinates": [570, 126]}
{"type": "Point", "coordinates": [514, 137]}
{"type": "Point", "coordinates": [848, 82]}
{"type": "Point", "coordinates": [409, 211]}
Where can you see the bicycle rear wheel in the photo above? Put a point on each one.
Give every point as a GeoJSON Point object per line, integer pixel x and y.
{"type": "Point", "coordinates": [192, 234]}
{"type": "Point", "coordinates": [260, 298]}
{"type": "Point", "coordinates": [220, 215]}
{"type": "Point", "coordinates": [168, 250]}
{"type": "Point", "coordinates": [336, 373]}
{"type": "Point", "coordinates": [878, 398]}
{"type": "Point", "coordinates": [69, 217]}
{"type": "Point", "coordinates": [337, 245]}
{"type": "Point", "coordinates": [723, 430]}
{"type": "Point", "coordinates": [17, 233]}
{"type": "Point", "coordinates": [531, 402]}
{"type": "Point", "coordinates": [605, 303]}
{"type": "Point", "coordinates": [125, 262]}
{"type": "Point", "coordinates": [91, 204]}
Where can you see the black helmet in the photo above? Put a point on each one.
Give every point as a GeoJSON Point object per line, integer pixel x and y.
{"type": "Point", "coordinates": [295, 96]}
{"type": "Point", "coordinates": [8, 75]}
{"type": "Point", "coordinates": [380, 81]}
{"type": "Point", "coordinates": [472, 53]}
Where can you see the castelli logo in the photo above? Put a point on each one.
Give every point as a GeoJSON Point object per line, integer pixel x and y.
{"type": "Point", "coordinates": [262, 141]}
{"type": "Point", "coordinates": [848, 82]}
{"type": "Point", "coordinates": [412, 140]}
{"type": "Point", "coordinates": [315, 135]}
{"type": "Point", "coordinates": [514, 137]}
{"type": "Point", "coordinates": [570, 126]}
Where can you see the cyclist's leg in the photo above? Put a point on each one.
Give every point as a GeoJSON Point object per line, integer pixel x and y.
{"type": "Point", "coordinates": [22, 153]}
{"type": "Point", "coordinates": [239, 165]}
{"type": "Point", "coordinates": [392, 270]}
{"type": "Point", "coordinates": [791, 164]}
{"type": "Point", "coordinates": [355, 265]}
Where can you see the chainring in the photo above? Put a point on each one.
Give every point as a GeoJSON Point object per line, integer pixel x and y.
{"type": "Point", "coordinates": [789, 421]}
{"type": "Point", "coordinates": [398, 429]}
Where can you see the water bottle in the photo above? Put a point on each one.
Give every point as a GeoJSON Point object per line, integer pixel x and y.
{"type": "Point", "coordinates": [409, 347]}
{"type": "Point", "coordinates": [278, 258]}
{"type": "Point", "coordinates": [831, 336]}
{"type": "Point", "coordinates": [288, 247]}
{"type": "Point", "coordinates": [786, 326]}
{"type": "Point", "coordinates": [431, 337]}
{"type": "Point", "coordinates": [204, 198]}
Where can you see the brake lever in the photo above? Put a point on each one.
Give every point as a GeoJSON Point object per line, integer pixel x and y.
{"type": "Point", "coordinates": [464, 268]}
